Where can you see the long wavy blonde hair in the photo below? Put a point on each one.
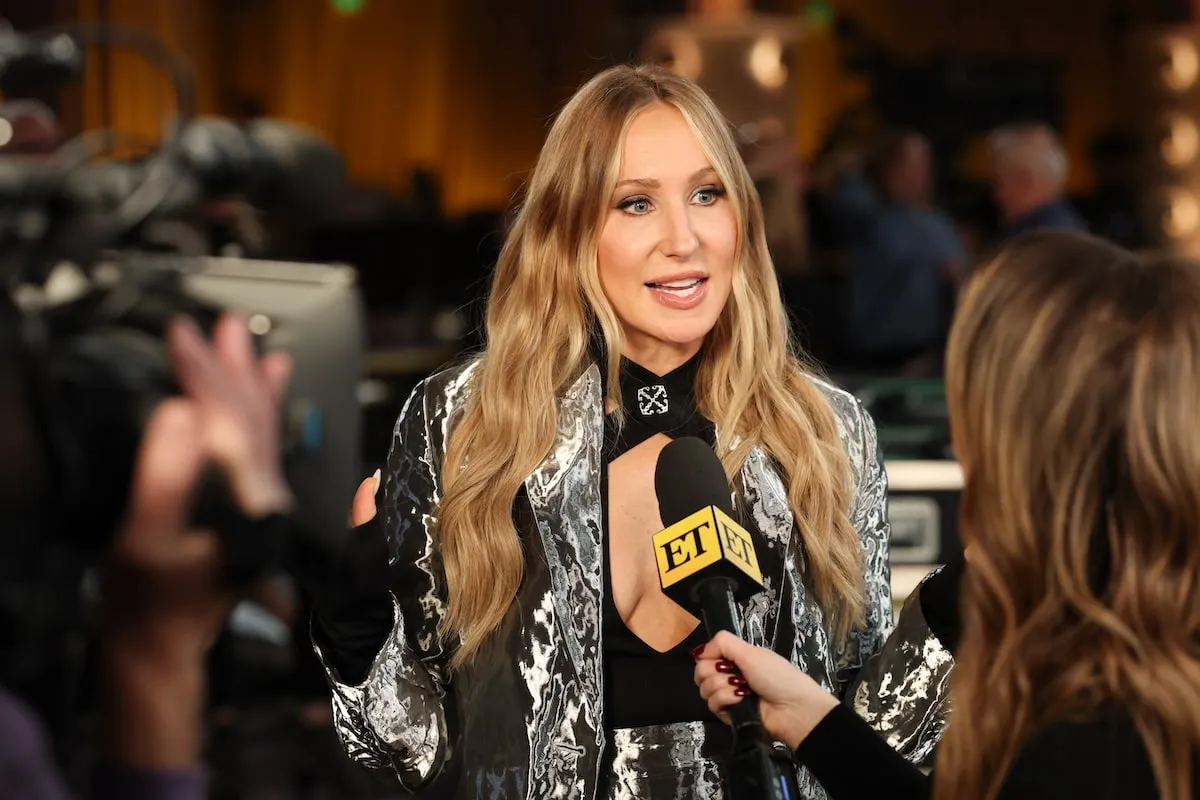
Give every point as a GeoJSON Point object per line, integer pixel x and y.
{"type": "Point", "coordinates": [1073, 377]}
{"type": "Point", "coordinates": [546, 301]}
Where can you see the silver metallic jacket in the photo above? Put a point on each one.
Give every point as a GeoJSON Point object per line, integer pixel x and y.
{"type": "Point", "coordinates": [526, 718]}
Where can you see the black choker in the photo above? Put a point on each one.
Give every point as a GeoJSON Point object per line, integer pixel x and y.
{"type": "Point", "coordinates": [656, 404]}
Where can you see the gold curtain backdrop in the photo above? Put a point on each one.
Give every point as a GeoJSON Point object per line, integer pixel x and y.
{"type": "Point", "coordinates": [466, 88]}
{"type": "Point", "coordinates": [120, 89]}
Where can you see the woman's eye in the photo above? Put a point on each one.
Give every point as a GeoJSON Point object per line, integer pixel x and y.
{"type": "Point", "coordinates": [706, 197]}
{"type": "Point", "coordinates": [635, 205]}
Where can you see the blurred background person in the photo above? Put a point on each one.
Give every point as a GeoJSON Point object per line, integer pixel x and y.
{"type": "Point", "coordinates": [1029, 178]}
{"type": "Point", "coordinates": [904, 254]}
{"type": "Point", "coordinates": [781, 178]}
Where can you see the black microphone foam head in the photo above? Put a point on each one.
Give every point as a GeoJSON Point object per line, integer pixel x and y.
{"type": "Point", "coordinates": [687, 477]}
{"type": "Point", "coordinates": [704, 556]}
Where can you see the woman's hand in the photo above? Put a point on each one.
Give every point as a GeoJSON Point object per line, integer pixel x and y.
{"type": "Point", "coordinates": [162, 577]}
{"type": "Point", "coordinates": [362, 509]}
{"type": "Point", "coordinates": [790, 703]}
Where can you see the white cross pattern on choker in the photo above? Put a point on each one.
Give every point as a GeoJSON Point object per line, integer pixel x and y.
{"type": "Point", "coordinates": [652, 400]}
{"type": "Point", "coordinates": [655, 404]}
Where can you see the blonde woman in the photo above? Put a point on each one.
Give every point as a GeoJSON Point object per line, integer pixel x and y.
{"type": "Point", "coordinates": [1072, 378]}
{"type": "Point", "coordinates": [532, 652]}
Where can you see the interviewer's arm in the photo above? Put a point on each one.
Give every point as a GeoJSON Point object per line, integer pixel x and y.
{"type": "Point", "coordinates": [852, 762]}
{"type": "Point", "coordinates": [849, 758]}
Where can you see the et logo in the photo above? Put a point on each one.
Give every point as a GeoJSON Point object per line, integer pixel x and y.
{"type": "Point", "coordinates": [701, 540]}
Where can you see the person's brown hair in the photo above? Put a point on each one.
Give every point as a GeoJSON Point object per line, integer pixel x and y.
{"type": "Point", "coordinates": [1073, 379]}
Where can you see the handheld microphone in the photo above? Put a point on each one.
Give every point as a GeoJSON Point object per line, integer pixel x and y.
{"type": "Point", "coordinates": [706, 561]}
{"type": "Point", "coordinates": [707, 564]}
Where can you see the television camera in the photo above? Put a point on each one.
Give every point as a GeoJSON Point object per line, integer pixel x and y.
{"type": "Point", "coordinates": [84, 300]}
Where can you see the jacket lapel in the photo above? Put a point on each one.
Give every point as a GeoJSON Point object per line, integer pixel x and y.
{"type": "Point", "coordinates": [763, 507]}
{"type": "Point", "coordinates": [564, 493]}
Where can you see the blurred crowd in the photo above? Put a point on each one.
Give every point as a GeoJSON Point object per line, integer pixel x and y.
{"type": "Point", "coordinates": [871, 261]}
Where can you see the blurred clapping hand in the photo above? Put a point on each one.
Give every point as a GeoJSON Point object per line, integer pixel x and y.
{"type": "Point", "coordinates": [163, 598]}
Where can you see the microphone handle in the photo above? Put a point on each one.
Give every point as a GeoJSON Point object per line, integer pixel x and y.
{"type": "Point", "coordinates": [761, 773]}
{"type": "Point", "coordinates": [756, 771]}
{"type": "Point", "coordinates": [720, 614]}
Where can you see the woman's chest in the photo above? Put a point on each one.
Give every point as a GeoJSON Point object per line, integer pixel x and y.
{"type": "Point", "coordinates": [632, 520]}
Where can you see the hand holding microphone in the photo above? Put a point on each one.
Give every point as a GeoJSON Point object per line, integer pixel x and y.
{"type": "Point", "coordinates": [789, 701]}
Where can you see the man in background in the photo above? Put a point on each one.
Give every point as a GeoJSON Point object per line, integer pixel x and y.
{"type": "Point", "coordinates": [1029, 179]}
{"type": "Point", "coordinates": [904, 254]}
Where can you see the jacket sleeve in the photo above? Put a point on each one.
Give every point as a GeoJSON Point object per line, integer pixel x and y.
{"type": "Point", "coordinates": [897, 677]}
{"type": "Point", "coordinates": [396, 719]}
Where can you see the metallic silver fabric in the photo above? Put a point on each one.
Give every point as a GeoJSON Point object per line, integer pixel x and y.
{"type": "Point", "coordinates": [679, 762]}
{"type": "Point", "coordinates": [893, 691]}
{"type": "Point", "coordinates": [672, 762]}
{"type": "Point", "coordinates": [526, 718]}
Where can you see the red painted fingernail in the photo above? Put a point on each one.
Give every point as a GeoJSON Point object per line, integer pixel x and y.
{"type": "Point", "coordinates": [724, 666]}
{"type": "Point", "coordinates": [696, 653]}
{"type": "Point", "coordinates": [737, 680]}
{"type": "Point", "coordinates": [741, 691]}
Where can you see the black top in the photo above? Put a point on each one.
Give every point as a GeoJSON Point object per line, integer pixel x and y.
{"type": "Point", "coordinates": [643, 686]}
{"type": "Point", "coordinates": [654, 404]}
{"type": "Point", "coordinates": [1101, 758]}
